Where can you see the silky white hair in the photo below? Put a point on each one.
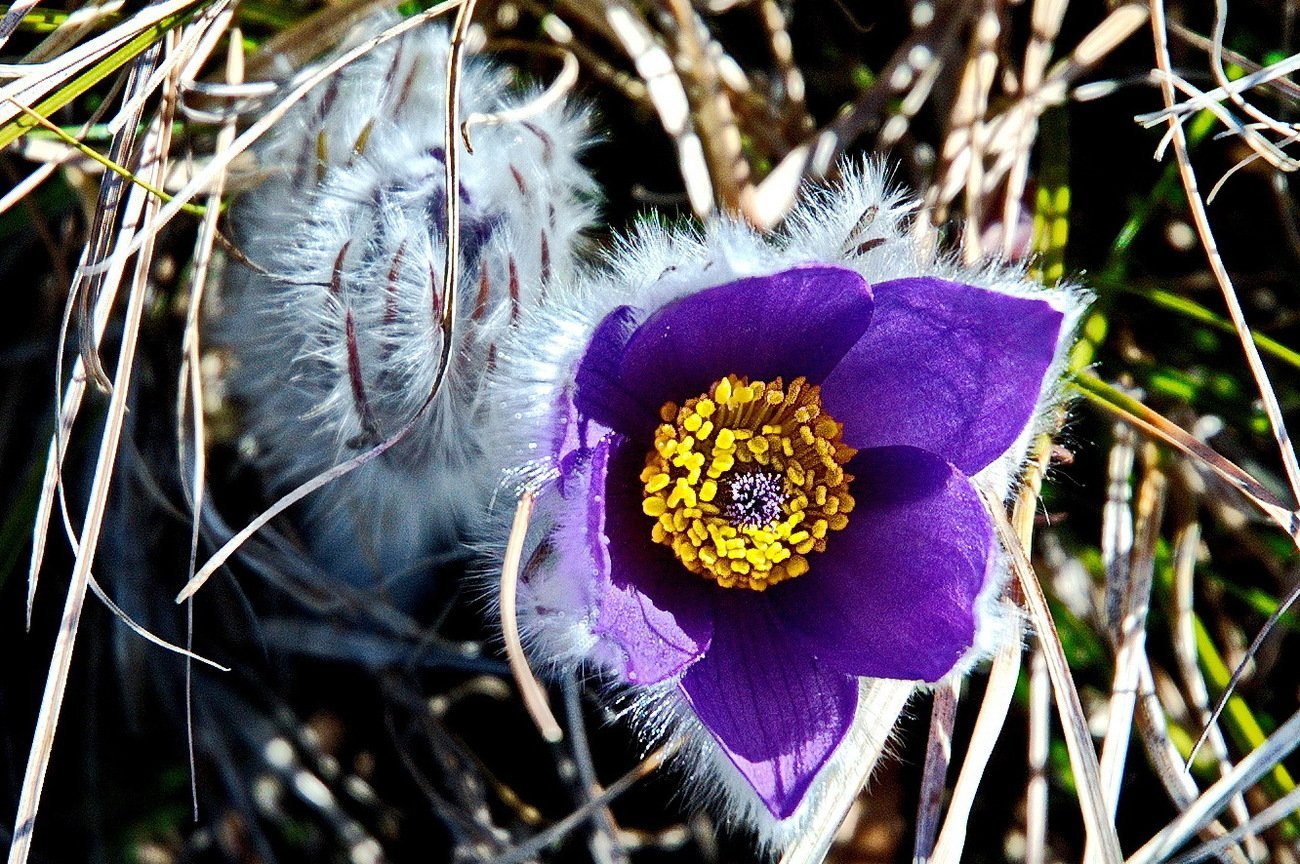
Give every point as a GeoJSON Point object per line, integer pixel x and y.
{"type": "Point", "coordinates": [334, 331]}
{"type": "Point", "coordinates": [860, 223]}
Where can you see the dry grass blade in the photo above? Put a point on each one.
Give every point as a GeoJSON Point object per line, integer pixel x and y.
{"type": "Point", "coordinates": [988, 726]}
{"type": "Point", "coordinates": [36, 80]}
{"type": "Point", "coordinates": [13, 17]}
{"type": "Point", "coordinates": [1260, 144]}
{"type": "Point", "coordinates": [1167, 761]}
{"type": "Point", "coordinates": [1083, 759]}
{"type": "Point", "coordinates": [711, 108]}
{"type": "Point", "coordinates": [1237, 673]}
{"type": "Point", "coordinates": [1265, 819]}
{"type": "Point", "coordinates": [1244, 774]}
{"type": "Point", "coordinates": [145, 634]}
{"type": "Point", "coordinates": [100, 288]}
{"type": "Point", "coordinates": [1285, 86]}
{"type": "Point", "coordinates": [604, 845]}
{"type": "Point", "coordinates": [1187, 540]}
{"type": "Point", "coordinates": [190, 383]}
{"type": "Point", "coordinates": [969, 121]}
{"type": "Point", "coordinates": [1046, 22]}
{"type": "Point", "coordinates": [1001, 685]}
{"type": "Point", "coordinates": [1269, 151]}
{"type": "Point", "coordinates": [70, 400]}
{"type": "Point", "coordinates": [1117, 518]}
{"type": "Point", "coordinates": [49, 165]}
{"type": "Point", "coordinates": [1200, 218]}
{"type": "Point", "coordinates": [934, 777]}
{"type": "Point", "coordinates": [552, 95]}
{"type": "Point", "coordinates": [1131, 633]}
{"type": "Point", "coordinates": [623, 24]}
{"type": "Point", "coordinates": [533, 694]}
{"type": "Point", "coordinates": [791, 76]}
{"type": "Point", "coordinates": [1143, 418]}
{"type": "Point", "coordinates": [1202, 221]}
{"type": "Point", "coordinates": [310, 38]}
{"type": "Point", "coordinates": [1006, 134]}
{"type": "Point", "coordinates": [73, 29]}
{"type": "Point", "coordinates": [96, 157]}
{"type": "Point", "coordinates": [222, 555]}
{"type": "Point", "coordinates": [451, 177]}
{"type": "Point", "coordinates": [667, 93]}
{"type": "Point", "coordinates": [775, 195]}
{"type": "Point", "coordinates": [153, 150]}
{"type": "Point", "coordinates": [207, 27]}
{"type": "Point", "coordinates": [1040, 733]}
{"type": "Point", "coordinates": [201, 181]}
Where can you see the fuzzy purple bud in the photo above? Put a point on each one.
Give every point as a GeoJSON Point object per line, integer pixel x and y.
{"type": "Point", "coordinates": [335, 330]}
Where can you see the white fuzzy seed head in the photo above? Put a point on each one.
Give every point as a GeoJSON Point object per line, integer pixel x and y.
{"type": "Point", "coordinates": [335, 332]}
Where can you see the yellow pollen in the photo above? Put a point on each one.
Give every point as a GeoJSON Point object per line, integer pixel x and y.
{"type": "Point", "coordinates": [746, 480]}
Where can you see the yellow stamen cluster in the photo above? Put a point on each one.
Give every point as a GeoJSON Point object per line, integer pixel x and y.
{"type": "Point", "coordinates": [741, 427]}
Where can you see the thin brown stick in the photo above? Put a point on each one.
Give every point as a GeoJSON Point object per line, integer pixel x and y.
{"type": "Point", "coordinates": [534, 694]}
{"type": "Point", "coordinates": [543, 839]}
{"type": "Point", "coordinates": [1083, 759]}
{"type": "Point", "coordinates": [934, 776]}
{"type": "Point", "coordinates": [711, 111]}
{"type": "Point", "coordinates": [1202, 221]}
{"type": "Point", "coordinates": [1129, 631]}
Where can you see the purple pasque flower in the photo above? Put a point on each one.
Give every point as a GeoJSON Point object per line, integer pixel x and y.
{"type": "Point", "coordinates": [762, 456]}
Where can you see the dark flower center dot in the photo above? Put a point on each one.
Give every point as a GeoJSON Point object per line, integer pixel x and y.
{"type": "Point", "coordinates": [746, 480]}
{"type": "Point", "coordinates": [752, 499]}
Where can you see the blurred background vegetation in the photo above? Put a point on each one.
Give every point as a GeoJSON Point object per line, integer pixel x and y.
{"type": "Point", "coordinates": [348, 730]}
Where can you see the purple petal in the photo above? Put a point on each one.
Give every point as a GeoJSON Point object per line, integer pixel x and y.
{"type": "Point", "coordinates": [777, 712]}
{"type": "Point", "coordinates": [947, 367]}
{"type": "Point", "coordinates": [800, 321]}
{"type": "Point", "coordinates": [655, 613]}
{"type": "Point", "coordinates": [893, 595]}
{"type": "Point", "coordinates": [573, 438]}
{"type": "Point", "coordinates": [601, 393]}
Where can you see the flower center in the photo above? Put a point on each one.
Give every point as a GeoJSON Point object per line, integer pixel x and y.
{"type": "Point", "coordinates": [746, 480]}
{"type": "Point", "coordinates": [753, 498]}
